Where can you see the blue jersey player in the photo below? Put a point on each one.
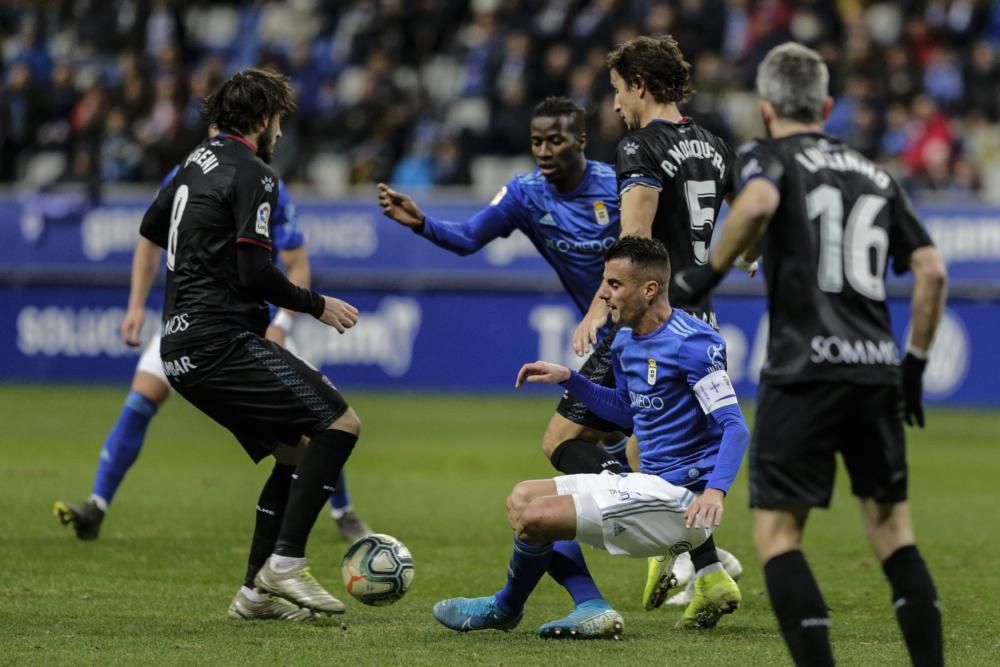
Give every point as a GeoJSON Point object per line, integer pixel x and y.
{"type": "Point", "coordinates": [150, 388]}
{"type": "Point", "coordinates": [568, 207]}
{"type": "Point", "coordinates": [673, 390]}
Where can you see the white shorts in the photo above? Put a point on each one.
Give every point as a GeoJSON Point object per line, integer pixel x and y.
{"type": "Point", "coordinates": [150, 361]}
{"type": "Point", "coordinates": [632, 514]}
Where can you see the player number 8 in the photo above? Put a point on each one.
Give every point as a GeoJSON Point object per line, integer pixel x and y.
{"type": "Point", "coordinates": [176, 213]}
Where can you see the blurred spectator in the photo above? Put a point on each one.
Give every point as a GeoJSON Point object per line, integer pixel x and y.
{"type": "Point", "coordinates": [417, 90]}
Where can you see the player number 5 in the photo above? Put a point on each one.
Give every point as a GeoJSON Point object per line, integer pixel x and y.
{"type": "Point", "coordinates": [176, 213]}
{"type": "Point", "coordinates": [845, 250]}
{"type": "Point", "coordinates": [702, 218]}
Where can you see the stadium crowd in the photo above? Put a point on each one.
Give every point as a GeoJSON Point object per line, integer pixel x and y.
{"type": "Point", "coordinates": [413, 91]}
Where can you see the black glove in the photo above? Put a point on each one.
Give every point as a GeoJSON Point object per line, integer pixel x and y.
{"type": "Point", "coordinates": [913, 389]}
{"type": "Point", "coordinates": [690, 285]}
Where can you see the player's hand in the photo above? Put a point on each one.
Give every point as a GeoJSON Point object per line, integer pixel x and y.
{"type": "Point", "coordinates": [585, 334]}
{"type": "Point", "coordinates": [399, 207]}
{"type": "Point", "coordinates": [338, 314]}
{"type": "Point", "coordinates": [749, 268]}
{"type": "Point", "coordinates": [690, 285]}
{"type": "Point", "coordinates": [706, 510]}
{"type": "Point", "coordinates": [276, 334]}
{"type": "Point", "coordinates": [913, 389]}
{"type": "Point", "coordinates": [132, 326]}
{"type": "Point", "coordinates": [541, 372]}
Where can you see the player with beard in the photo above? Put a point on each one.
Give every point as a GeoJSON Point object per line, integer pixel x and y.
{"type": "Point", "coordinates": [214, 220]}
{"type": "Point", "coordinates": [829, 221]}
{"type": "Point", "coordinates": [150, 388]}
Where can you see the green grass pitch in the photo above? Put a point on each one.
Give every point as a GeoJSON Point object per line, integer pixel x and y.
{"type": "Point", "coordinates": [433, 471]}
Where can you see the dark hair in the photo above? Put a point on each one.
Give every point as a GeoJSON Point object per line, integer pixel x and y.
{"type": "Point", "coordinates": [553, 107]}
{"type": "Point", "coordinates": [239, 104]}
{"type": "Point", "coordinates": [657, 63]}
{"type": "Point", "coordinates": [645, 254]}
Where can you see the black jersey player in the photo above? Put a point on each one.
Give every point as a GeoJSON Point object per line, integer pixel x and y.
{"type": "Point", "coordinates": [215, 221]}
{"type": "Point", "coordinates": [829, 222]}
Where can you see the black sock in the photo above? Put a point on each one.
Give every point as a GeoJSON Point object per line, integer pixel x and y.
{"type": "Point", "coordinates": [270, 509]}
{"type": "Point", "coordinates": [916, 603]}
{"type": "Point", "coordinates": [798, 604]}
{"type": "Point", "coordinates": [575, 457]}
{"type": "Point", "coordinates": [314, 480]}
{"type": "Point", "coordinates": [704, 554]}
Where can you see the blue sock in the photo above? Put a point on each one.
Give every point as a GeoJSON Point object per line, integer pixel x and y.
{"type": "Point", "coordinates": [123, 444]}
{"type": "Point", "coordinates": [528, 564]}
{"type": "Point", "coordinates": [570, 570]}
{"type": "Point", "coordinates": [617, 450]}
{"type": "Point", "coordinates": [340, 499]}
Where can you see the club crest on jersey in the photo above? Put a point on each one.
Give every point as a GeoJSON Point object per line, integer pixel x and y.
{"type": "Point", "coordinates": [263, 215]}
{"type": "Point", "coordinates": [651, 372]}
{"type": "Point", "coordinates": [601, 214]}
{"type": "Point", "coordinates": [268, 183]}
{"type": "Point", "coordinates": [631, 148]}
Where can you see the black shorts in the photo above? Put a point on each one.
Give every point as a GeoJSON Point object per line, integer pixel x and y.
{"type": "Point", "coordinates": [261, 392]}
{"type": "Point", "coordinates": [597, 369]}
{"type": "Point", "coordinates": [800, 428]}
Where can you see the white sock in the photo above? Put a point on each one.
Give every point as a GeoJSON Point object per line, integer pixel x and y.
{"type": "Point", "coordinates": [708, 569]}
{"type": "Point", "coordinates": [282, 564]}
{"type": "Point", "coordinates": [101, 503]}
{"type": "Point", "coordinates": [253, 595]}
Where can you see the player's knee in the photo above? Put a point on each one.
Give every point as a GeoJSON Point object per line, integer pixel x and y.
{"type": "Point", "coordinates": [349, 421]}
{"type": "Point", "coordinates": [519, 498]}
{"type": "Point", "coordinates": [887, 527]}
{"type": "Point", "coordinates": [532, 524]}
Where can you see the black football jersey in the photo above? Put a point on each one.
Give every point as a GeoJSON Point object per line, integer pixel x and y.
{"type": "Point", "coordinates": [689, 166]}
{"type": "Point", "coordinates": [825, 252]}
{"type": "Point", "coordinates": [222, 196]}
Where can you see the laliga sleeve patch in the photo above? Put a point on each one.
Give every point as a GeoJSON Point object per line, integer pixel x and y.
{"type": "Point", "coordinates": [263, 216]}
{"type": "Point", "coordinates": [715, 390]}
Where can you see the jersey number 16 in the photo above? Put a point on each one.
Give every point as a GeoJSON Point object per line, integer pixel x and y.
{"type": "Point", "coordinates": [845, 250]}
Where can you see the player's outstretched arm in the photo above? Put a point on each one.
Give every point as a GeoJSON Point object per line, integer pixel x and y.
{"type": "Point", "coordinates": [462, 238]}
{"type": "Point", "coordinates": [541, 372]}
{"type": "Point", "coordinates": [400, 207]}
{"type": "Point", "coordinates": [145, 262]}
{"type": "Point", "coordinates": [261, 277]}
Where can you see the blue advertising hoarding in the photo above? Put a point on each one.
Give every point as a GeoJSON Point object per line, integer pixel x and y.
{"type": "Point", "coordinates": [446, 341]}
{"type": "Point", "coordinates": [431, 320]}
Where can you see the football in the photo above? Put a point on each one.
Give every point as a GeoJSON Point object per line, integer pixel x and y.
{"type": "Point", "coordinates": [377, 570]}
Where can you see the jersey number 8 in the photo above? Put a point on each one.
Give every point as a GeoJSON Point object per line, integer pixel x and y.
{"type": "Point", "coordinates": [176, 213]}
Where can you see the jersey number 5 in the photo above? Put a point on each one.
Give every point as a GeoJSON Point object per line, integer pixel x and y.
{"type": "Point", "coordinates": [702, 218]}
{"type": "Point", "coordinates": [845, 250]}
{"type": "Point", "coordinates": [176, 213]}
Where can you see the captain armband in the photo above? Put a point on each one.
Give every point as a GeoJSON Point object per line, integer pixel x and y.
{"type": "Point", "coordinates": [714, 391]}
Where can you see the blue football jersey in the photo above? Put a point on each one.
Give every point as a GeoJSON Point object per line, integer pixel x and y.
{"type": "Point", "coordinates": [675, 377]}
{"type": "Point", "coordinates": [572, 231]}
